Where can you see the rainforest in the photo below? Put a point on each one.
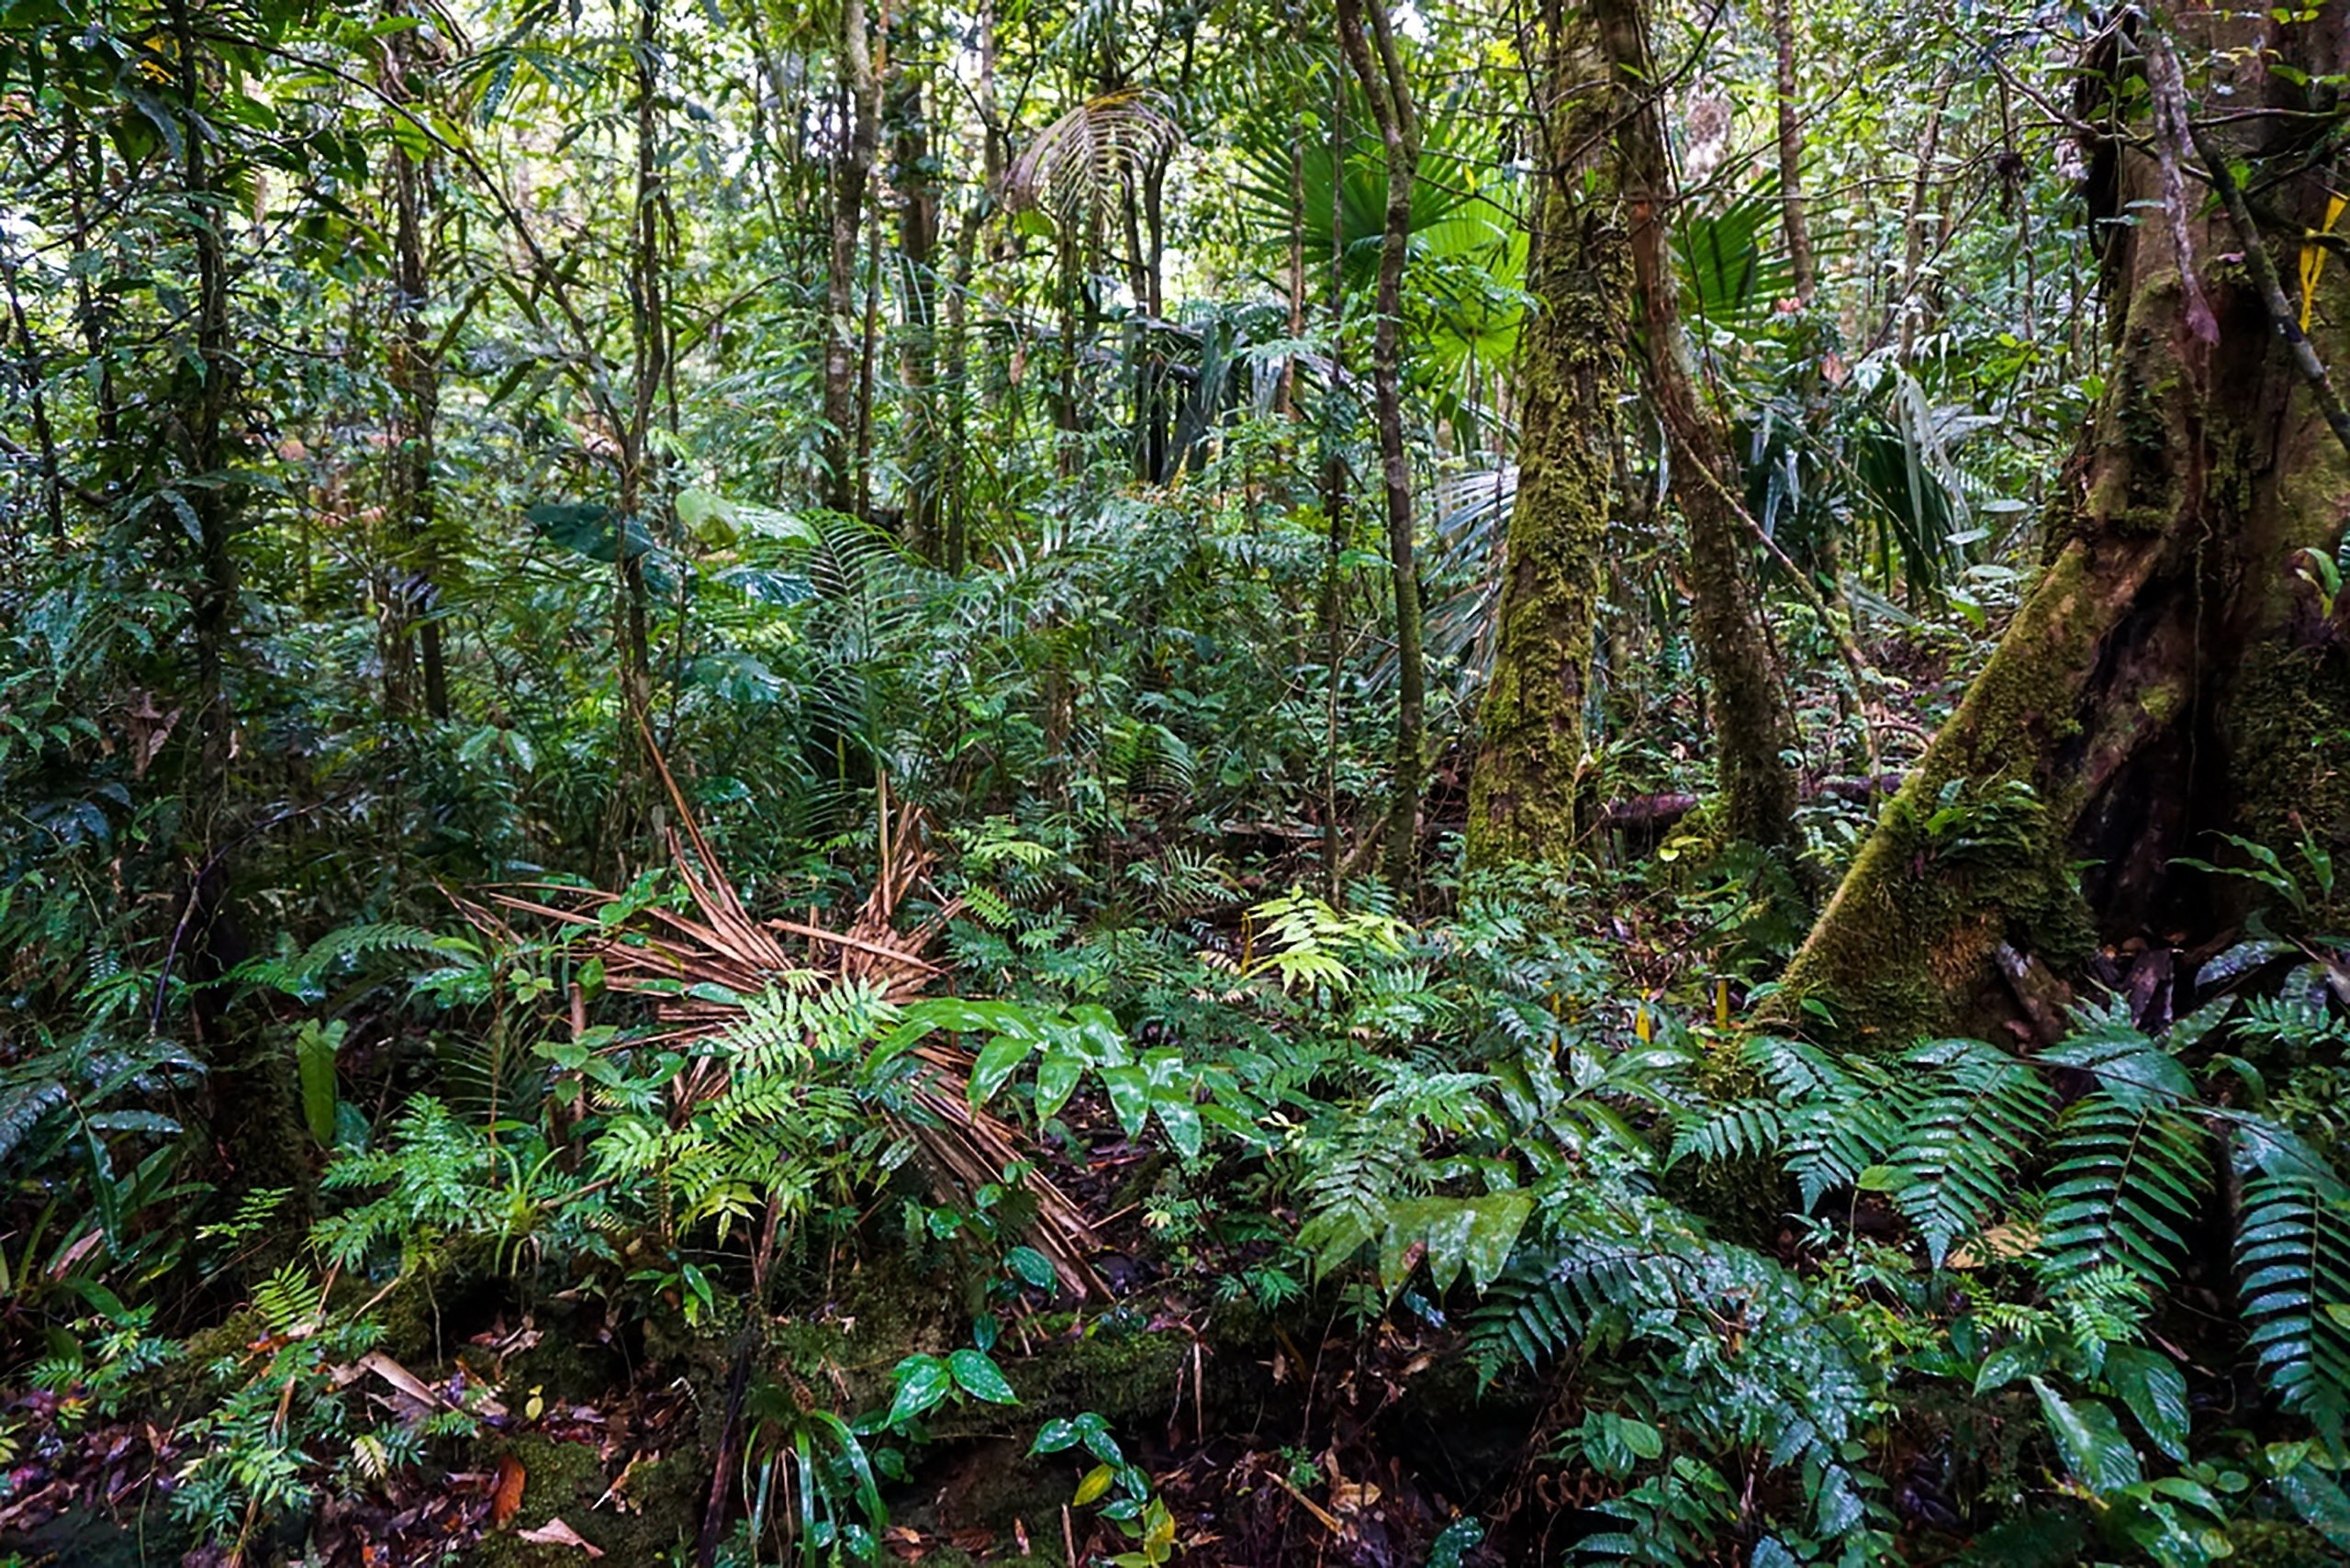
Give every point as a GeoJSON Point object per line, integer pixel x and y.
{"type": "Point", "coordinates": [1215, 783]}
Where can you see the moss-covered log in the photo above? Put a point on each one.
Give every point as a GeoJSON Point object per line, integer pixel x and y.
{"type": "Point", "coordinates": [1522, 800]}
{"type": "Point", "coordinates": [2172, 674]}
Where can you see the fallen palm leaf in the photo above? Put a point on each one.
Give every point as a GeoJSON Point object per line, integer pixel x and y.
{"type": "Point", "coordinates": [697, 968]}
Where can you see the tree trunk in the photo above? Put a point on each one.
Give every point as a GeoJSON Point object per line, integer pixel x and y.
{"type": "Point", "coordinates": [649, 341]}
{"type": "Point", "coordinates": [1752, 734]}
{"type": "Point", "coordinates": [415, 378]}
{"type": "Point", "coordinates": [917, 186]}
{"type": "Point", "coordinates": [1390, 92]}
{"type": "Point", "coordinates": [1333, 489]}
{"type": "Point", "coordinates": [861, 138]}
{"type": "Point", "coordinates": [2170, 675]}
{"type": "Point", "coordinates": [1523, 794]}
{"type": "Point", "coordinates": [1792, 217]}
{"type": "Point", "coordinates": [204, 385]}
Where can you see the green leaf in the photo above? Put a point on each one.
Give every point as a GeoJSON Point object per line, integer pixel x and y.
{"type": "Point", "coordinates": [1032, 1267]}
{"type": "Point", "coordinates": [975, 1372]}
{"type": "Point", "coordinates": [314, 1057]}
{"type": "Point", "coordinates": [1494, 1221]}
{"type": "Point", "coordinates": [1057, 1077]}
{"type": "Point", "coordinates": [2008, 1362]}
{"type": "Point", "coordinates": [2090, 1441]}
{"type": "Point", "coordinates": [2319, 1499]}
{"type": "Point", "coordinates": [923, 1382]}
{"type": "Point", "coordinates": [1129, 1090]}
{"type": "Point", "coordinates": [996, 1065]}
{"type": "Point", "coordinates": [590, 529]}
{"type": "Point", "coordinates": [1182, 1120]}
{"type": "Point", "coordinates": [1097, 1028]}
{"type": "Point", "coordinates": [2153, 1389]}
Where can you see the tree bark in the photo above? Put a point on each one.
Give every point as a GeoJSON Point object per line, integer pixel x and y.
{"type": "Point", "coordinates": [206, 499]}
{"type": "Point", "coordinates": [1390, 92]}
{"type": "Point", "coordinates": [851, 171]}
{"type": "Point", "coordinates": [1792, 212]}
{"type": "Point", "coordinates": [914, 176]}
{"type": "Point", "coordinates": [2170, 675]}
{"type": "Point", "coordinates": [415, 378]}
{"type": "Point", "coordinates": [649, 361]}
{"type": "Point", "coordinates": [1523, 794]}
{"type": "Point", "coordinates": [1752, 734]}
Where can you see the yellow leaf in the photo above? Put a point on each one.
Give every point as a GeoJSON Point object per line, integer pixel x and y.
{"type": "Point", "coordinates": [1097, 1481]}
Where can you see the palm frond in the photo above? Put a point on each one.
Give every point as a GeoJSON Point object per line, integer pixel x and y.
{"type": "Point", "coordinates": [1080, 161]}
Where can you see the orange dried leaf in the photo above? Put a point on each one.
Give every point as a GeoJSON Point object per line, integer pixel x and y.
{"type": "Point", "coordinates": [505, 1497]}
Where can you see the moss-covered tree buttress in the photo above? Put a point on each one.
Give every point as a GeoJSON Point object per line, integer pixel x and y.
{"type": "Point", "coordinates": [2171, 675]}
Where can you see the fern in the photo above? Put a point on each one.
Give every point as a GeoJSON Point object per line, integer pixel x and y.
{"type": "Point", "coordinates": [2130, 1069]}
{"type": "Point", "coordinates": [2293, 1253]}
{"type": "Point", "coordinates": [2127, 1177]}
{"type": "Point", "coordinates": [1743, 1129]}
{"type": "Point", "coordinates": [23, 1104]}
{"type": "Point", "coordinates": [1841, 1118]}
{"type": "Point", "coordinates": [1354, 1185]}
{"type": "Point", "coordinates": [1962, 1142]}
{"type": "Point", "coordinates": [1733, 1346]}
{"type": "Point", "coordinates": [289, 1301]}
{"type": "Point", "coordinates": [302, 975]}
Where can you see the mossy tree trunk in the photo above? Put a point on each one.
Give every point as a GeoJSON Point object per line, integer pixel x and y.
{"type": "Point", "coordinates": [1752, 734]}
{"type": "Point", "coordinates": [1523, 794]}
{"type": "Point", "coordinates": [2172, 674]}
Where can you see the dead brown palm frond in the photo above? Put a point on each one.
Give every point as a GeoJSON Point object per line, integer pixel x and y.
{"type": "Point", "coordinates": [690, 965]}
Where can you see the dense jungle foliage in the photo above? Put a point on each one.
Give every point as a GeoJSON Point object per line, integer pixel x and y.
{"type": "Point", "coordinates": [1174, 782]}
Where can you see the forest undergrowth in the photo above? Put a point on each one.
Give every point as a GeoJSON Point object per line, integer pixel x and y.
{"type": "Point", "coordinates": [1149, 783]}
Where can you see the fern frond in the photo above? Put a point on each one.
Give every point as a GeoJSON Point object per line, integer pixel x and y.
{"type": "Point", "coordinates": [22, 1106]}
{"type": "Point", "coordinates": [1742, 1129]}
{"type": "Point", "coordinates": [1962, 1144]}
{"type": "Point", "coordinates": [2129, 1067]}
{"type": "Point", "coordinates": [1799, 1070]}
{"type": "Point", "coordinates": [1838, 1118]}
{"type": "Point", "coordinates": [2293, 1254]}
{"type": "Point", "coordinates": [2126, 1178]}
{"type": "Point", "coordinates": [1829, 1145]}
{"type": "Point", "coordinates": [1731, 1337]}
{"type": "Point", "coordinates": [302, 975]}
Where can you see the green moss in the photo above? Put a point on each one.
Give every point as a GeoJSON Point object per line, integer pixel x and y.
{"type": "Point", "coordinates": [2288, 731]}
{"type": "Point", "coordinates": [566, 1481]}
{"type": "Point", "coordinates": [2273, 1543]}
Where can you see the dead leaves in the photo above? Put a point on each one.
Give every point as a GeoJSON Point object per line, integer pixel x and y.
{"type": "Point", "coordinates": [505, 1493]}
{"type": "Point", "coordinates": [554, 1532]}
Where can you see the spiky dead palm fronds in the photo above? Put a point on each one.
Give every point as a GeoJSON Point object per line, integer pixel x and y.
{"type": "Point", "coordinates": [692, 965]}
